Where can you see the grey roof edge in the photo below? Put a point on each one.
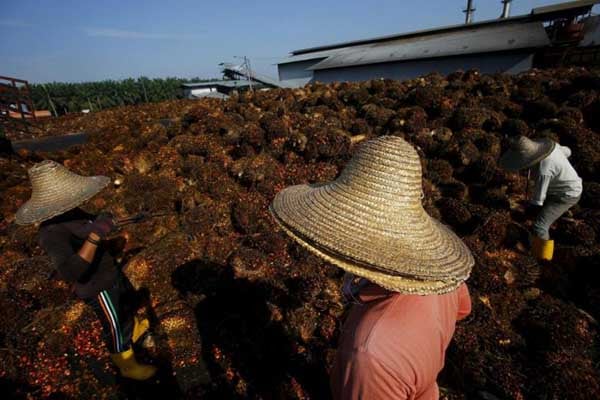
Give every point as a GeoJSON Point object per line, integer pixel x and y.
{"type": "Point", "coordinates": [478, 41]}
{"type": "Point", "coordinates": [227, 83]}
{"type": "Point", "coordinates": [303, 57]}
{"type": "Point", "coordinates": [536, 14]}
{"type": "Point", "coordinates": [519, 50]}
{"type": "Point", "coordinates": [212, 82]}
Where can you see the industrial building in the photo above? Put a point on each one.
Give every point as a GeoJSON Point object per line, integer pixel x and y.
{"type": "Point", "coordinates": [237, 78]}
{"type": "Point", "coordinates": [220, 89]}
{"type": "Point", "coordinates": [546, 36]}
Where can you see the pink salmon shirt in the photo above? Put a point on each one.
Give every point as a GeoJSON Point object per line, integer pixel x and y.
{"type": "Point", "coordinates": [392, 346]}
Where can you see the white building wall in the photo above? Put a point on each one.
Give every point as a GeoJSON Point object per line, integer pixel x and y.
{"type": "Point", "coordinates": [592, 32]}
{"type": "Point", "coordinates": [296, 74]}
{"type": "Point", "coordinates": [189, 93]}
{"type": "Point", "coordinates": [491, 63]}
{"type": "Point", "coordinates": [200, 91]}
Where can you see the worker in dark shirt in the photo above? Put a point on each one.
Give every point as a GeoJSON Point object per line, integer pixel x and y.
{"type": "Point", "coordinates": [74, 241]}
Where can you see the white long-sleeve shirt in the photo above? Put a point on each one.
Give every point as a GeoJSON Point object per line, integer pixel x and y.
{"type": "Point", "coordinates": [555, 176]}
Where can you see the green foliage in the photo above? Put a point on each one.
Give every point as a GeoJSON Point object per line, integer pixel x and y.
{"type": "Point", "coordinates": [63, 98]}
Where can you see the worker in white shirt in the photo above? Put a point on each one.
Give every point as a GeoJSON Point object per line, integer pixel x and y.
{"type": "Point", "coordinates": [557, 185]}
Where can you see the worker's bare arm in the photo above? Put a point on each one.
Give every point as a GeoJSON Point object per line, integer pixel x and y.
{"type": "Point", "coordinates": [88, 250]}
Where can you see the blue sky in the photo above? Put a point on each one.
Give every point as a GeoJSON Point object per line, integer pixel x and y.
{"type": "Point", "coordinates": [62, 40]}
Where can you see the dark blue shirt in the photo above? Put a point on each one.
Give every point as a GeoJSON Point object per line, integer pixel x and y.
{"type": "Point", "coordinates": [62, 240]}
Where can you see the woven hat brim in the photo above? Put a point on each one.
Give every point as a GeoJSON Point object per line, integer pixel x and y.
{"type": "Point", "coordinates": [411, 245]}
{"type": "Point", "coordinates": [42, 209]}
{"type": "Point", "coordinates": [397, 284]}
{"type": "Point", "coordinates": [514, 161]}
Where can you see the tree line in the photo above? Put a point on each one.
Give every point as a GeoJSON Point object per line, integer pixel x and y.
{"type": "Point", "coordinates": [62, 98]}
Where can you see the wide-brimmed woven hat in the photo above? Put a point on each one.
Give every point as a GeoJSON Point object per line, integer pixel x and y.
{"type": "Point", "coordinates": [524, 153]}
{"type": "Point", "coordinates": [56, 190]}
{"type": "Point", "coordinates": [370, 222]}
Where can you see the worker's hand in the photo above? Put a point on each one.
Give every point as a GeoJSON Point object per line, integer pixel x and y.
{"type": "Point", "coordinates": [103, 225]}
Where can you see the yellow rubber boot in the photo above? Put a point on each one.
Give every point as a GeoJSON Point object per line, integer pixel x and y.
{"type": "Point", "coordinates": [130, 368]}
{"type": "Point", "coordinates": [140, 326]}
{"type": "Point", "coordinates": [542, 249]}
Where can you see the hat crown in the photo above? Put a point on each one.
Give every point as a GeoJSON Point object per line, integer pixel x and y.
{"type": "Point", "coordinates": [525, 153]}
{"type": "Point", "coordinates": [370, 222]}
{"type": "Point", "coordinates": [524, 145]}
{"type": "Point", "coordinates": [387, 167]}
{"type": "Point", "coordinates": [48, 177]}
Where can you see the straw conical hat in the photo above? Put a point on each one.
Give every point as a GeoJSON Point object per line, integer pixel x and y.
{"type": "Point", "coordinates": [370, 222]}
{"type": "Point", "coordinates": [56, 190]}
{"type": "Point", "coordinates": [524, 153]}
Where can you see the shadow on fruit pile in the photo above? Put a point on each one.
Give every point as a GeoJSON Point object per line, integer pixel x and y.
{"type": "Point", "coordinates": [249, 350]}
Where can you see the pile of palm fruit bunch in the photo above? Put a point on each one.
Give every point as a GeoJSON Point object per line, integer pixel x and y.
{"type": "Point", "coordinates": [240, 311]}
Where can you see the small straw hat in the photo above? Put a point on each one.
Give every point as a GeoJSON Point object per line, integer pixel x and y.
{"type": "Point", "coordinates": [370, 222]}
{"type": "Point", "coordinates": [525, 153]}
{"type": "Point", "coordinates": [56, 190]}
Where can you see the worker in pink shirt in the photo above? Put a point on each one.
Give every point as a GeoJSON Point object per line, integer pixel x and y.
{"type": "Point", "coordinates": [393, 345]}
{"type": "Point", "coordinates": [405, 270]}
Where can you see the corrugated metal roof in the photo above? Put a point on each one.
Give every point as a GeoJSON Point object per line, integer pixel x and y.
{"type": "Point", "coordinates": [537, 14]}
{"type": "Point", "coordinates": [198, 84]}
{"type": "Point", "coordinates": [225, 83]}
{"type": "Point", "coordinates": [478, 40]}
{"type": "Point", "coordinates": [309, 56]}
{"type": "Point", "coordinates": [421, 32]}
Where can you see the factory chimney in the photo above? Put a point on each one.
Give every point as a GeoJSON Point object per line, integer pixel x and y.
{"type": "Point", "coordinates": [505, 9]}
{"type": "Point", "coordinates": [469, 12]}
